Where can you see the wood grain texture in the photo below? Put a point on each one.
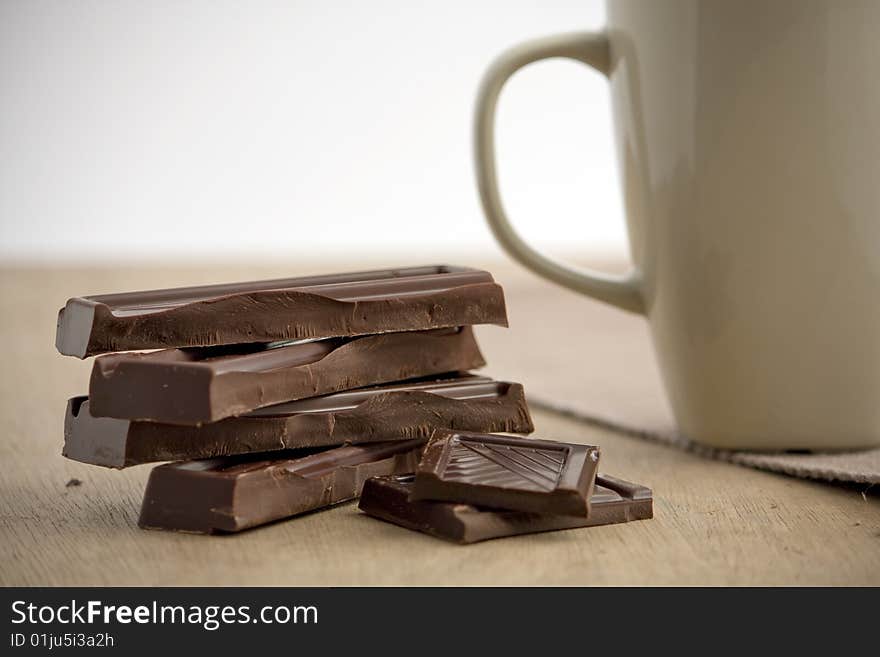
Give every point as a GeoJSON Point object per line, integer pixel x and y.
{"type": "Point", "coordinates": [715, 523]}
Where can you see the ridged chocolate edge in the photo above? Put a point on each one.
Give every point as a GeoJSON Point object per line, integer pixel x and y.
{"type": "Point", "coordinates": [398, 415]}
{"type": "Point", "coordinates": [185, 501]}
{"type": "Point", "coordinates": [305, 315]}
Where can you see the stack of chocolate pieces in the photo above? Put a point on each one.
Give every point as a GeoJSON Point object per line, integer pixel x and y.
{"type": "Point", "coordinates": [471, 487]}
{"type": "Point", "coordinates": [279, 397]}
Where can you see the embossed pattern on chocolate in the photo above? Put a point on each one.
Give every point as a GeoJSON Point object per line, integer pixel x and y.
{"type": "Point", "coordinates": [498, 464]}
{"type": "Point", "coordinates": [522, 474]}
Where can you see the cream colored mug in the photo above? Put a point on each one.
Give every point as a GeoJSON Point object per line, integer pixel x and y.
{"type": "Point", "coordinates": [748, 135]}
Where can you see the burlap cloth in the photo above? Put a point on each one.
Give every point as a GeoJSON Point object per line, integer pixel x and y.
{"type": "Point", "coordinates": [596, 363]}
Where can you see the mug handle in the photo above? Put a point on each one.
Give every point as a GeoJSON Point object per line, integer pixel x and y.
{"type": "Point", "coordinates": [624, 291]}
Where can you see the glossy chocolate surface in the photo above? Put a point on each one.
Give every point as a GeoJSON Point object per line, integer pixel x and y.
{"type": "Point", "coordinates": [200, 385]}
{"type": "Point", "coordinates": [520, 474]}
{"type": "Point", "coordinates": [338, 305]}
{"type": "Point", "coordinates": [381, 413]}
{"type": "Point", "coordinates": [388, 498]}
{"type": "Point", "coordinates": [239, 492]}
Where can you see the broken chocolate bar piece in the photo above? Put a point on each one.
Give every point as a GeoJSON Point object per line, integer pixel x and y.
{"type": "Point", "coordinates": [239, 492]}
{"type": "Point", "coordinates": [520, 474]}
{"type": "Point", "coordinates": [339, 305]}
{"type": "Point", "coordinates": [198, 385]}
{"type": "Point", "coordinates": [388, 498]}
{"type": "Point", "coordinates": [381, 413]}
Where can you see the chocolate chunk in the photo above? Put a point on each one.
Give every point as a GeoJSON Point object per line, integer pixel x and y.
{"type": "Point", "coordinates": [239, 492]}
{"type": "Point", "coordinates": [198, 385]}
{"type": "Point", "coordinates": [381, 413]}
{"type": "Point", "coordinates": [339, 305]}
{"type": "Point", "coordinates": [387, 498]}
{"type": "Point", "coordinates": [520, 474]}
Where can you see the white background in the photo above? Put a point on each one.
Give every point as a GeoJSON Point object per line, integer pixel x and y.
{"type": "Point", "coordinates": [141, 130]}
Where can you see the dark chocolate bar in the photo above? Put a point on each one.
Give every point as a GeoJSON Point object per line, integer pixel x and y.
{"type": "Point", "coordinates": [387, 498]}
{"type": "Point", "coordinates": [239, 492]}
{"type": "Point", "coordinates": [198, 385]}
{"type": "Point", "coordinates": [339, 305]}
{"type": "Point", "coordinates": [519, 474]}
{"type": "Point", "coordinates": [389, 412]}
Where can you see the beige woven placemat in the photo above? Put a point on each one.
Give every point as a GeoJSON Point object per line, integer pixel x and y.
{"type": "Point", "coordinates": [596, 363]}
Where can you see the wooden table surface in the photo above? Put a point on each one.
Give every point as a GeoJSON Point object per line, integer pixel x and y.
{"type": "Point", "coordinates": [715, 523]}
